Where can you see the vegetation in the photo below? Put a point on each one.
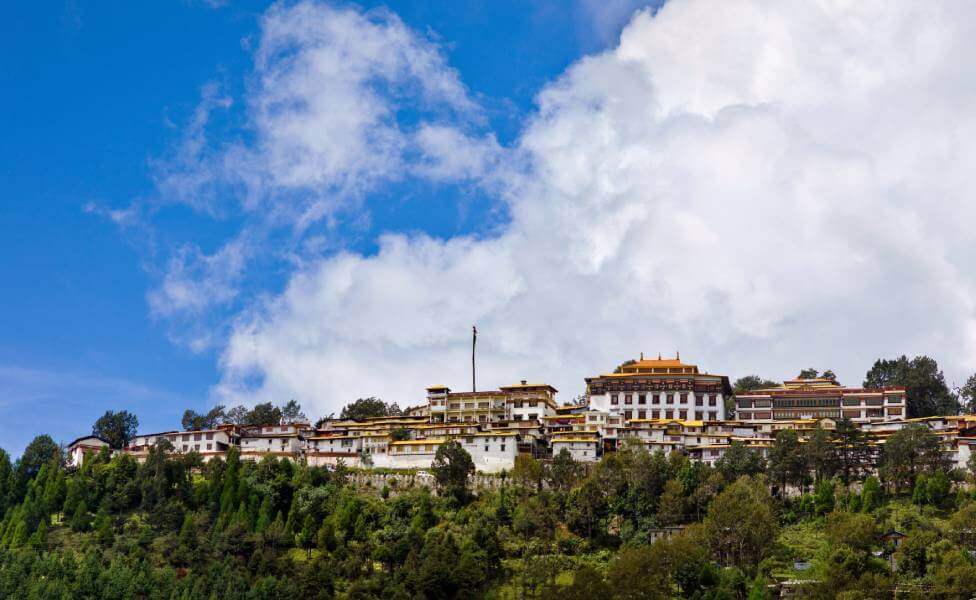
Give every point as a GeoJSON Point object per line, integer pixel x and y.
{"type": "Point", "coordinates": [116, 428]}
{"type": "Point", "coordinates": [260, 415]}
{"type": "Point", "coordinates": [369, 408]}
{"type": "Point", "coordinates": [175, 527]}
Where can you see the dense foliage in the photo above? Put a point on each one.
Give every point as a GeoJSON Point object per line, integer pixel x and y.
{"type": "Point", "coordinates": [369, 408]}
{"type": "Point", "coordinates": [175, 527]}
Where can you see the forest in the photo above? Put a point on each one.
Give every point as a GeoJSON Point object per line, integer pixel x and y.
{"type": "Point", "coordinates": [829, 518]}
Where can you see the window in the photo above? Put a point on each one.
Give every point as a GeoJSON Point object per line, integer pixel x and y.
{"type": "Point", "coordinates": [642, 399]}
{"type": "Point", "coordinates": [196, 447]}
{"type": "Point", "coordinates": [698, 415]}
{"type": "Point", "coordinates": [670, 399]}
{"type": "Point", "coordinates": [210, 436]}
{"type": "Point", "coordinates": [197, 437]}
{"type": "Point", "coordinates": [698, 400]}
{"type": "Point", "coordinates": [209, 446]}
{"type": "Point", "coordinates": [614, 399]}
{"type": "Point", "coordinates": [684, 397]}
{"type": "Point", "coordinates": [655, 414]}
{"type": "Point", "coordinates": [712, 416]}
{"type": "Point", "coordinates": [186, 438]}
{"type": "Point", "coordinates": [682, 414]}
{"type": "Point", "coordinates": [711, 400]}
{"type": "Point", "coordinates": [503, 447]}
{"type": "Point", "coordinates": [656, 399]}
{"type": "Point", "coordinates": [628, 398]}
{"type": "Point", "coordinates": [627, 414]}
{"type": "Point", "coordinates": [669, 414]}
{"type": "Point", "coordinates": [641, 414]}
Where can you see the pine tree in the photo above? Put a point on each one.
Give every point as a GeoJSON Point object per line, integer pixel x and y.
{"type": "Point", "coordinates": [104, 531]}
{"type": "Point", "coordinates": [187, 551]}
{"type": "Point", "coordinates": [264, 515]}
{"type": "Point", "coordinates": [80, 520]}
{"type": "Point", "coordinates": [38, 539]}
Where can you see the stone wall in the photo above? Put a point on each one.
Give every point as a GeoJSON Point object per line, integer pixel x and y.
{"type": "Point", "coordinates": [405, 480]}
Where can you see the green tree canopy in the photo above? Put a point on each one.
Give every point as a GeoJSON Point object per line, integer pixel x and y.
{"type": "Point", "coordinates": [788, 462]}
{"type": "Point", "coordinates": [39, 452]}
{"type": "Point", "coordinates": [116, 428]}
{"type": "Point", "coordinates": [910, 452]}
{"type": "Point", "coordinates": [739, 460]}
{"type": "Point", "coordinates": [263, 415]}
{"type": "Point", "coordinates": [369, 408]}
{"type": "Point", "coordinates": [451, 468]}
{"type": "Point", "coordinates": [740, 524]}
{"type": "Point", "coordinates": [194, 421]}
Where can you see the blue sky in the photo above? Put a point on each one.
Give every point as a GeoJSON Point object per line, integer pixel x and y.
{"type": "Point", "coordinates": [95, 93]}
{"type": "Point", "coordinates": [231, 202]}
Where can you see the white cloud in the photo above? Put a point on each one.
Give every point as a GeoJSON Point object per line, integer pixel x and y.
{"type": "Point", "coordinates": [762, 185]}
{"type": "Point", "coordinates": [340, 101]}
{"type": "Point", "coordinates": [603, 19]}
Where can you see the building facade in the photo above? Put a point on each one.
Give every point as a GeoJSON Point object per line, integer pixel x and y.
{"type": "Point", "coordinates": [821, 399]}
{"type": "Point", "coordinates": [660, 389]}
{"type": "Point", "coordinates": [523, 401]}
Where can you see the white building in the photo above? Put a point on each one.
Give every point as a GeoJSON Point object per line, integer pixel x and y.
{"type": "Point", "coordinates": [491, 451]}
{"type": "Point", "coordinates": [583, 447]}
{"type": "Point", "coordinates": [660, 389]}
{"type": "Point", "coordinates": [89, 444]}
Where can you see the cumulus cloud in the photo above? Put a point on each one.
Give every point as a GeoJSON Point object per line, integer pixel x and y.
{"type": "Point", "coordinates": [763, 186]}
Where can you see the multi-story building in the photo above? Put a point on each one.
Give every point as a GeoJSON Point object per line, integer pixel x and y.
{"type": "Point", "coordinates": [523, 401]}
{"type": "Point", "coordinates": [821, 399]}
{"type": "Point", "coordinates": [660, 389]}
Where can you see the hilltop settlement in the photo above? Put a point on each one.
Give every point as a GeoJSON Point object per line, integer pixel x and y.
{"type": "Point", "coordinates": [664, 404]}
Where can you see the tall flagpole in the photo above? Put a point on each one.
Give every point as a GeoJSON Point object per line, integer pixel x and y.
{"type": "Point", "coordinates": [474, 342]}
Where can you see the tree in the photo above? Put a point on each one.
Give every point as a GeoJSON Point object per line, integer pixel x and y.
{"type": "Point", "coordinates": [263, 415]}
{"type": "Point", "coordinates": [822, 453]}
{"type": "Point", "coordinates": [671, 505]}
{"type": "Point", "coordinates": [369, 408]}
{"type": "Point", "coordinates": [236, 415]}
{"type": "Point", "coordinates": [909, 452]}
{"type": "Point", "coordinates": [787, 460]}
{"type": "Point", "coordinates": [926, 392]}
{"type": "Point", "coordinates": [740, 524]}
{"type": "Point", "coordinates": [637, 574]}
{"type": "Point", "coordinates": [752, 382]}
{"type": "Point", "coordinates": [194, 421]}
{"type": "Point", "coordinates": [80, 521]}
{"type": "Point", "coordinates": [564, 471]}
{"type": "Point", "coordinates": [808, 374]}
{"type": "Point", "coordinates": [41, 451]}
{"type": "Point", "coordinates": [292, 413]}
{"type": "Point", "coordinates": [853, 451]}
{"type": "Point", "coordinates": [739, 460]}
{"type": "Point", "coordinates": [116, 428]}
{"type": "Point", "coordinates": [528, 471]}
{"type": "Point", "coordinates": [451, 468]}
{"type": "Point", "coordinates": [399, 434]}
